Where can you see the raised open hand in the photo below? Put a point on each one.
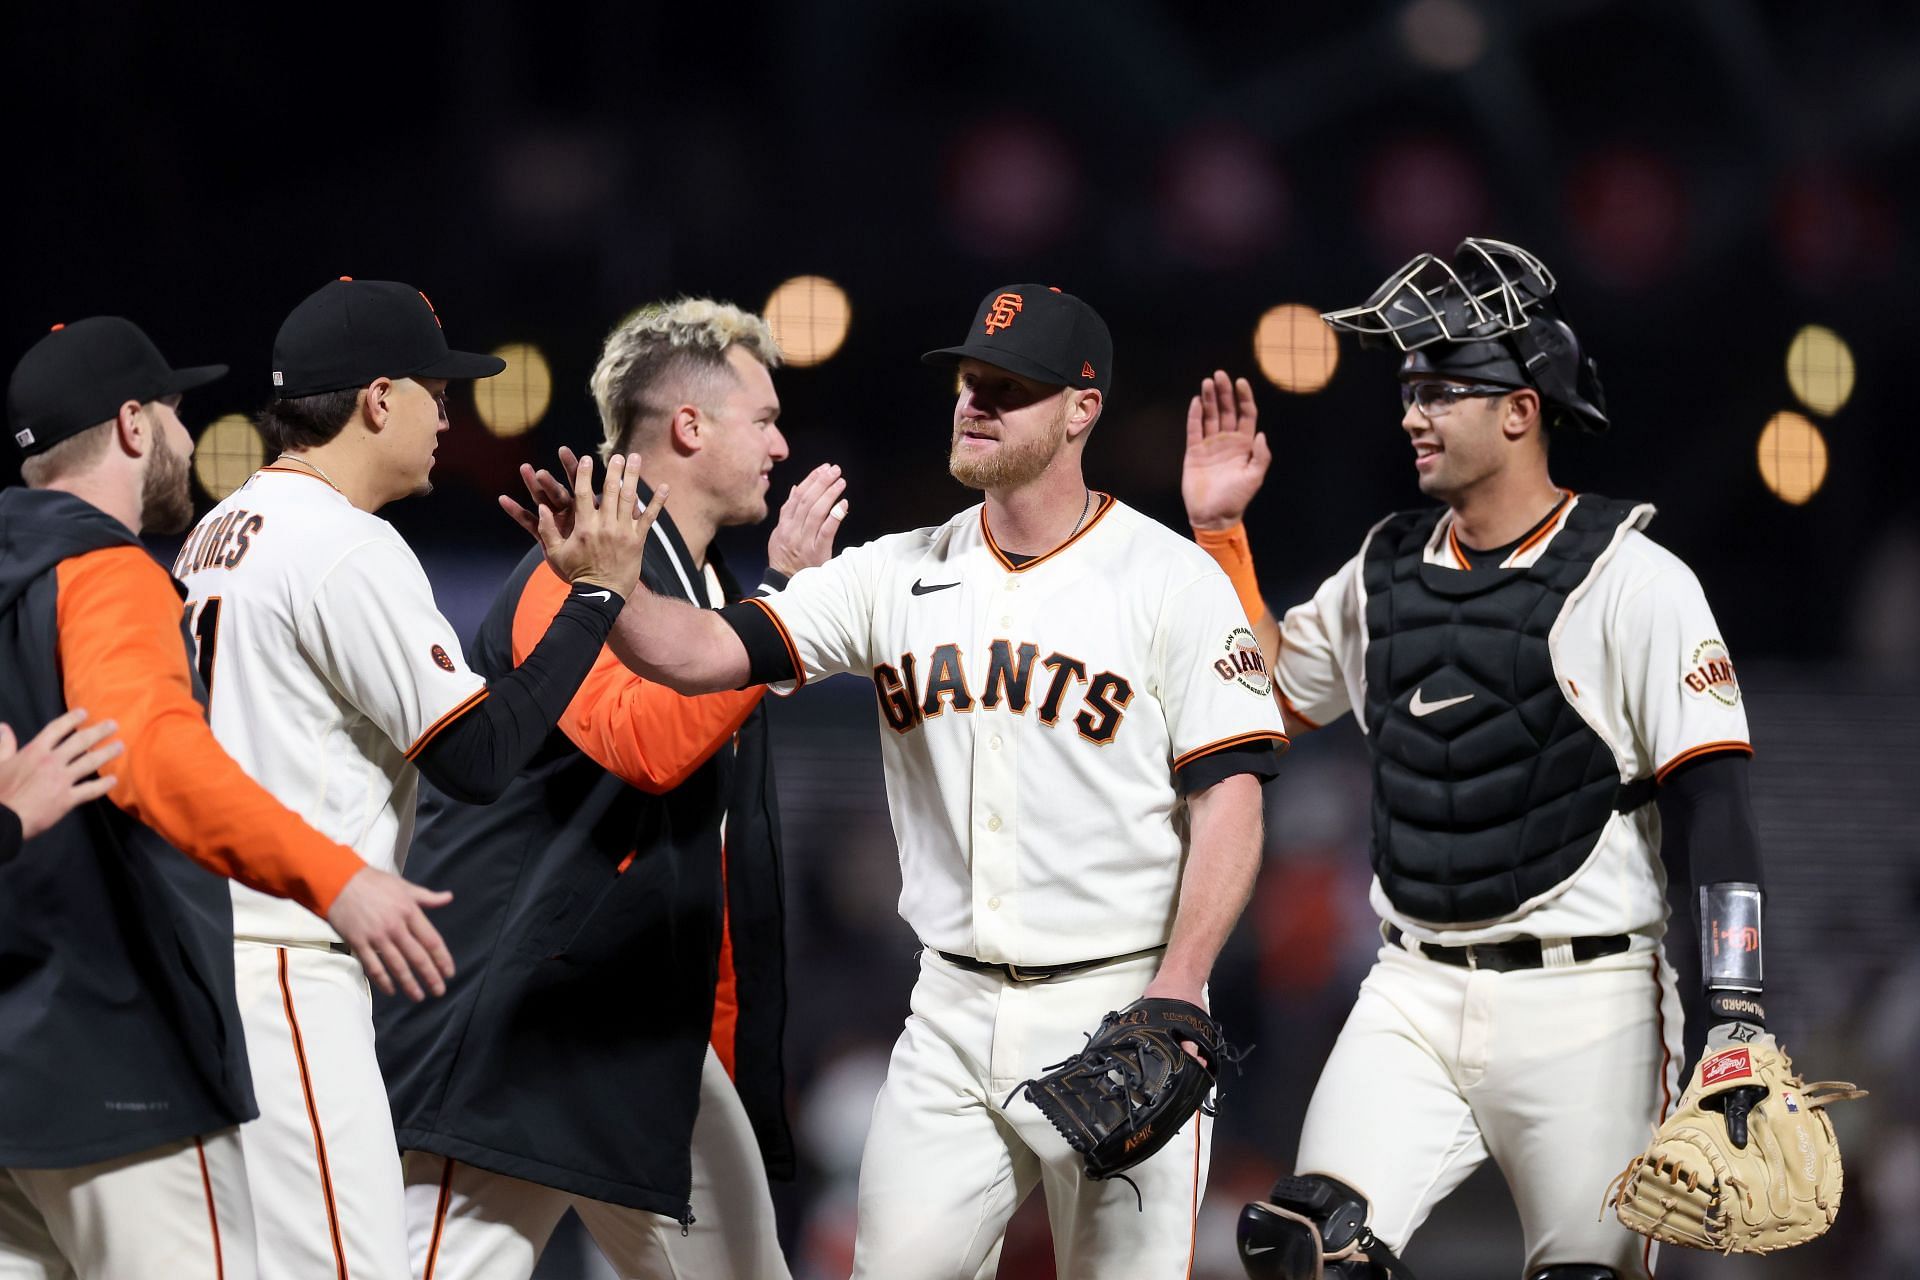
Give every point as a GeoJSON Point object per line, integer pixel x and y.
{"type": "Point", "coordinates": [1227, 456]}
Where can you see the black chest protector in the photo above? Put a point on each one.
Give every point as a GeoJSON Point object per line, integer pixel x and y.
{"type": "Point", "coordinates": [1488, 787]}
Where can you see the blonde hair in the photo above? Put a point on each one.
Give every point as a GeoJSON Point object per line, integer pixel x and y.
{"type": "Point", "coordinates": [74, 454]}
{"type": "Point", "coordinates": [667, 353]}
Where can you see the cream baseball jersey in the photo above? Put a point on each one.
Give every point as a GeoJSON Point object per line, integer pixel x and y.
{"type": "Point", "coordinates": [327, 665]}
{"type": "Point", "coordinates": [1638, 655]}
{"type": "Point", "coordinates": [1041, 720]}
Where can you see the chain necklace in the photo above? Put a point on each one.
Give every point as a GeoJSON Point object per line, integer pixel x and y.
{"type": "Point", "coordinates": [313, 467]}
{"type": "Point", "coordinates": [1085, 507]}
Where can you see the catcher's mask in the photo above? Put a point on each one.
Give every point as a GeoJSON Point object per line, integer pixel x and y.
{"type": "Point", "coordinates": [1488, 316]}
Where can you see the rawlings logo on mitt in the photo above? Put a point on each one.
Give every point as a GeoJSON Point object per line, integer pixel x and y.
{"type": "Point", "coordinates": [1134, 1086]}
{"type": "Point", "coordinates": [1747, 1163]}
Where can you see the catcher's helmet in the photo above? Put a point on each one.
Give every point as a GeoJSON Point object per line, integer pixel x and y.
{"type": "Point", "coordinates": [1489, 315]}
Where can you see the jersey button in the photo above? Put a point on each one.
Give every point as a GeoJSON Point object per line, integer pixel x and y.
{"type": "Point", "coordinates": [993, 743]}
{"type": "Point", "coordinates": [1006, 619]}
{"type": "Point", "coordinates": [993, 823]}
{"type": "Point", "coordinates": [993, 904]}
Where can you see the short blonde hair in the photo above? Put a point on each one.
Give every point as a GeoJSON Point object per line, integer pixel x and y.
{"type": "Point", "coordinates": [75, 454]}
{"type": "Point", "coordinates": [665, 353]}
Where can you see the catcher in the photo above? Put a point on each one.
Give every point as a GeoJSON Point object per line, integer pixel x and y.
{"type": "Point", "coordinates": [1551, 714]}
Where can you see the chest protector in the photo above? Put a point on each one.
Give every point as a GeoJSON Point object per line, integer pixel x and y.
{"type": "Point", "coordinates": [1489, 789]}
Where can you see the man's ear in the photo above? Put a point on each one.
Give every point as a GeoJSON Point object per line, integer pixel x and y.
{"type": "Point", "coordinates": [1522, 414]}
{"type": "Point", "coordinates": [376, 400]}
{"type": "Point", "coordinates": [686, 430]}
{"type": "Point", "coordinates": [132, 430]}
{"type": "Point", "coordinates": [1082, 412]}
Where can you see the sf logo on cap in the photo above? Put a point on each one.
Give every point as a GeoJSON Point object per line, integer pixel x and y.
{"type": "Point", "coordinates": [1004, 309]}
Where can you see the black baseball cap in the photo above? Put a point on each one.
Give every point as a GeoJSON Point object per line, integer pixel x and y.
{"type": "Point", "coordinates": [80, 374]}
{"type": "Point", "coordinates": [348, 332]}
{"type": "Point", "coordinates": [1038, 332]}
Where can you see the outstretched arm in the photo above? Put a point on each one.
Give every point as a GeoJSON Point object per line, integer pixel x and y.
{"type": "Point", "coordinates": [688, 649]}
{"type": "Point", "coordinates": [1224, 466]}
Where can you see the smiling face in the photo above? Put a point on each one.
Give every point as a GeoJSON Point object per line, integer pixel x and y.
{"type": "Point", "coordinates": [745, 441]}
{"type": "Point", "coordinates": [1007, 430]}
{"type": "Point", "coordinates": [1458, 442]}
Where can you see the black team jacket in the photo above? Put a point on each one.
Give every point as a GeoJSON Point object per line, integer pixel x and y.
{"type": "Point", "coordinates": [118, 1027]}
{"type": "Point", "coordinates": [592, 923]}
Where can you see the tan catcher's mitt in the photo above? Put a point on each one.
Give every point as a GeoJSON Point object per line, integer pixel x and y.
{"type": "Point", "coordinates": [1746, 1164]}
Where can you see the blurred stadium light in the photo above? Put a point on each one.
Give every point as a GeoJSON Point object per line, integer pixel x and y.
{"type": "Point", "coordinates": [229, 450]}
{"type": "Point", "coordinates": [1793, 457]}
{"type": "Point", "coordinates": [809, 316]}
{"type": "Point", "coordinates": [511, 403]}
{"type": "Point", "coordinates": [1443, 35]}
{"type": "Point", "coordinates": [1295, 348]}
{"type": "Point", "coordinates": [1820, 369]}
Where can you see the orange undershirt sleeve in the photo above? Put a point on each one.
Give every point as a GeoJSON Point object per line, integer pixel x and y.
{"type": "Point", "coordinates": [643, 733]}
{"type": "Point", "coordinates": [123, 658]}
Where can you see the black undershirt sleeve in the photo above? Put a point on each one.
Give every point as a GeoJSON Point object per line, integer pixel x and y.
{"type": "Point", "coordinates": [1258, 759]}
{"type": "Point", "coordinates": [474, 758]}
{"type": "Point", "coordinates": [1707, 836]}
{"type": "Point", "coordinates": [769, 661]}
{"type": "Point", "coordinates": [11, 835]}
{"type": "Point", "coordinates": [1707, 832]}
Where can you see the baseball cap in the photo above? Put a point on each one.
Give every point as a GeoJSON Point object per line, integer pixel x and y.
{"type": "Point", "coordinates": [1038, 332]}
{"type": "Point", "coordinates": [348, 332]}
{"type": "Point", "coordinates": [80, 374]}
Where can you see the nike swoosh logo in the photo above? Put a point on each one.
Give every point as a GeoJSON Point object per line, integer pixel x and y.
{"type": "Point", "coordinates": [597, 595]}
{"type": "Point", "coordinates": [1253, 1249]}
{"type": "Point", "coordinates": [1420, 707]}
{"type": "Point", "coordinates": [920, 590]}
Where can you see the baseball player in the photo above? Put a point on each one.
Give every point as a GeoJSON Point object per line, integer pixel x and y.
{"type": "Point", "coordinates": [641, 841]}
{"type": "Point", "coordinates": [1532, 674]}
{"type": "Point", "coordinates": [123, 1068]}
{"type": "Point", "coordinates": [335, 682]}
{"type": "Point", "coordinates": [1073, 751]}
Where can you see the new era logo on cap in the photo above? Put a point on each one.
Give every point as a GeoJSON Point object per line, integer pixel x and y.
{"type": "Point", "coordinates": [23, 438]}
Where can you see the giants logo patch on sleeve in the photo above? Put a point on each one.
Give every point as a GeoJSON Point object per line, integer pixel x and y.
{"type": "Point", "coordinates": [1734, 1064]}
{"type": "Point", "coordinates": [441, 660]}
{"type": "Point", "coordinates": [1709, 674]}
{"type": "Point", "coordinates": [1243, 664]}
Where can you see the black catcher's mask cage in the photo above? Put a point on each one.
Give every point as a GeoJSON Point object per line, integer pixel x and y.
{"type": "Point", "coordinates": [1492, 292]}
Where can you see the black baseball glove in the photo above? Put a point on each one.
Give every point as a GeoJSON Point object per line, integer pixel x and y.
{"type": "Point", "coordinates": [1134, 1086]}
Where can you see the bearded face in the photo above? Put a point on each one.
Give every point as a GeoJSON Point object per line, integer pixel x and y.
{"type": "Point", "coordinates": [166, 501]}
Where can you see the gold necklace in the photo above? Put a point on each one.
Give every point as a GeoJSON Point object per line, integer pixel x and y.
{"type": "Point", "coordinates": [313, 467]}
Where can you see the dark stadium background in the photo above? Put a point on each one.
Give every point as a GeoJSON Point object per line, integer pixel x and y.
{"type": "Point", "coordinates": [1706, 177]}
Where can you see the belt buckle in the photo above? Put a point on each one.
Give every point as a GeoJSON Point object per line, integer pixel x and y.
{"type": "Point", "coordinates": [1473, 961]}
{"type": "Point", "coordinates": [1017, 974]}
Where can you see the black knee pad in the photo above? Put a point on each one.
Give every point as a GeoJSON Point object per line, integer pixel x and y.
{"type": "Point", "coordinates": [1313, 1228]}
{"type": "Point", "coordinates": [1575, 1271]}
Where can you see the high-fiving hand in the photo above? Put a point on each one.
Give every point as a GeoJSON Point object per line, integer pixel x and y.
{"type": "Point", "coordinates": [1227, 457]}
{"type": "Point", "coordinates": [809, 521]}
{"type": "Point", "coordinates": [599, 542]}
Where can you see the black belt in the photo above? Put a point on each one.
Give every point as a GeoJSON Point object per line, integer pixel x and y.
{"type": "Point", "coordinates": [1039, 972]}
{"type": "Point", "coordinates": [1501, 957]}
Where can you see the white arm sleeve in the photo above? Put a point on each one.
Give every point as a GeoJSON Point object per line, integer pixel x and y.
{"type": "Point", "coordinates": [1318, 640]}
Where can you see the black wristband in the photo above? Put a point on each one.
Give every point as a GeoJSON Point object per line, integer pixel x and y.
{"type": "Point", "coordinates": [12, 834]}
{"type": "Point", "coordinates": [1736, 1006]}
{"type": "Point", "coordinates": [773, 580]}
